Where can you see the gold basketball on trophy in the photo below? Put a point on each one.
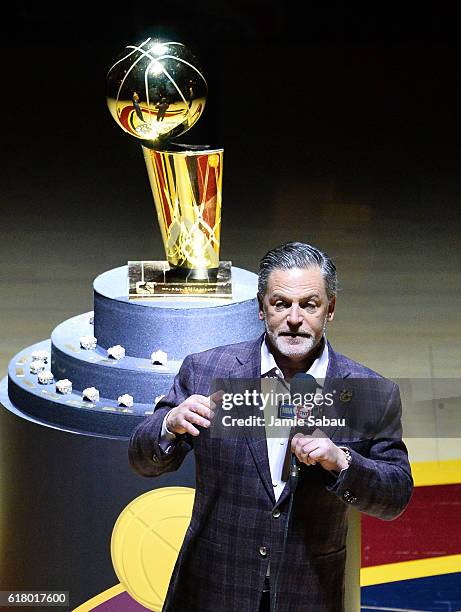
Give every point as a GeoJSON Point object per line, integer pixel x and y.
{"type": "Point", "coordinates": [156, 90]}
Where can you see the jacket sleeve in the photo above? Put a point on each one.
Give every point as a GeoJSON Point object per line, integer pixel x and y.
{"type": "Point", "coordinates": [144, 453]}
{"type": "Point", "coordinates": [379, 484]}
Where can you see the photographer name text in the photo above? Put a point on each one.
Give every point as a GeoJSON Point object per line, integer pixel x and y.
{"type": "Point", "coordinates": [260, 421]}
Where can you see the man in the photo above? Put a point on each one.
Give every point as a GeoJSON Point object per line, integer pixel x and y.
{"type": "Point", "coordinates": [232, 549]}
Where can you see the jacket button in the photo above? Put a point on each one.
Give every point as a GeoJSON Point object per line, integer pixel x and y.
{"type": "Point", "coordinates": [276, 513]}
{"type": "Point", "coordinates": [262, 551]}
{"type": "Point", "coordinates": [155, 458]}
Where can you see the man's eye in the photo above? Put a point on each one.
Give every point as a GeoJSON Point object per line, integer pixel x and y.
{"type": "Point", "coordinates": [280, 304]}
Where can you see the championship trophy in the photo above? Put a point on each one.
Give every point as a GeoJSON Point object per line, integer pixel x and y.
{"type": "Point", "coordinates": [156, 91]}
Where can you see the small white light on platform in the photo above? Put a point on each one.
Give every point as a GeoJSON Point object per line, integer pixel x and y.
{"type": "Point", "coordinates": [159, 358]}
{"type": "Point", "coordinates": [40, 356]}
{"type": "Point", "coordinates": [45, 377]}
{"type": "Point", "coordinates": [116, 352]}
{"type": "Point", "coordinates": [64, 386]}
{"type": "Point", "coordinates": [125, 400]}
{"type": "Point", "coordinates": [37, 366]}
{"type": "Point", "coordinates": [88, 342]}
{"type": "Point", "coordinates": [91, 394]}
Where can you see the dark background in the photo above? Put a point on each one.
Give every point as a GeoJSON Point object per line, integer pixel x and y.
{"type": "Point", "coordinates": [340, 127]}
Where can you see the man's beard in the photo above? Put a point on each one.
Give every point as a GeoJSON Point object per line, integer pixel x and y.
{"type": "Point", "coordinates": [294, 345]}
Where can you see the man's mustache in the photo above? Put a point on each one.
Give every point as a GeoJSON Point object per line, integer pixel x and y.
{"type": "Point", "coordinates": [293, 334]}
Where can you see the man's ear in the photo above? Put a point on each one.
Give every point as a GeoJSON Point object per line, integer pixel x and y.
{"type": "Point", "coordinates": [261, 307]}
{"type": "Point", "coordinates": [331, 309]}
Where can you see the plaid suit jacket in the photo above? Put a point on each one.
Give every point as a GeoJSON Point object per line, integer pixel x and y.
{"type": "Point", "coordinates": [221, 565]}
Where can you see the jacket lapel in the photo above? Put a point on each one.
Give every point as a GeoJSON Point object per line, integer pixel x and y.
{"type": "Point", "coordinates": [248, 368]}
{"type": "Point", "coordinates": [335, 382]}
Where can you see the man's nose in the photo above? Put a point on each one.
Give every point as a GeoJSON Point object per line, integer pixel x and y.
{"type": "Point", "coordinates": [294, 315]}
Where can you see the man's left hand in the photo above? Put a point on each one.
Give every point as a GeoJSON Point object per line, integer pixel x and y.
{"type": "Point", "coordinates": [311, 450]}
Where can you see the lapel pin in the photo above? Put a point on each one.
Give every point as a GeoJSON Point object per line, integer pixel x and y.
{"type": "Point", "coordinates": [345, 395]}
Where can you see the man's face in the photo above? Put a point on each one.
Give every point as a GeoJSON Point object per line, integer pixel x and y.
{"type": "Point", "coordinates": [295, 310]}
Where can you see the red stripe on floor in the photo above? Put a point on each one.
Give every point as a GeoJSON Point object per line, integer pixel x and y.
{"type": "Point", "coordinates": [429, 527]}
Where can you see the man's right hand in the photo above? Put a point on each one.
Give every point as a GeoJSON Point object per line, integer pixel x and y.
{"type": "Point", "coordinates": [195, 410]}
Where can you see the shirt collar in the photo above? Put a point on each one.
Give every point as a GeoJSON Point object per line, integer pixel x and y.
{"type": "Point", "coordinates": [269, 366]}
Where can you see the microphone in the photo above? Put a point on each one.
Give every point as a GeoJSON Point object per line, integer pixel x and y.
{"type": "Point", "coordinates": [303, 386]}
{"type": "Point", "coordinates": [302, 389]}
{"type": "Point", "coordinates": [294, 473]}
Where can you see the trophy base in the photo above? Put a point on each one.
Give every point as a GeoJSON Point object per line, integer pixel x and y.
{"type": "Point", "coordinates": [153, 279]}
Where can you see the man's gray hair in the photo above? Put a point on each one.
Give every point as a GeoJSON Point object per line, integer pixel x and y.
{"type": "Point", "coordinates": [297, 255]}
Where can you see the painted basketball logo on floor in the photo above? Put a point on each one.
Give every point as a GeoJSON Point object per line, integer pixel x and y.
{"type": "Point", "coordinates": [146, 540]}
